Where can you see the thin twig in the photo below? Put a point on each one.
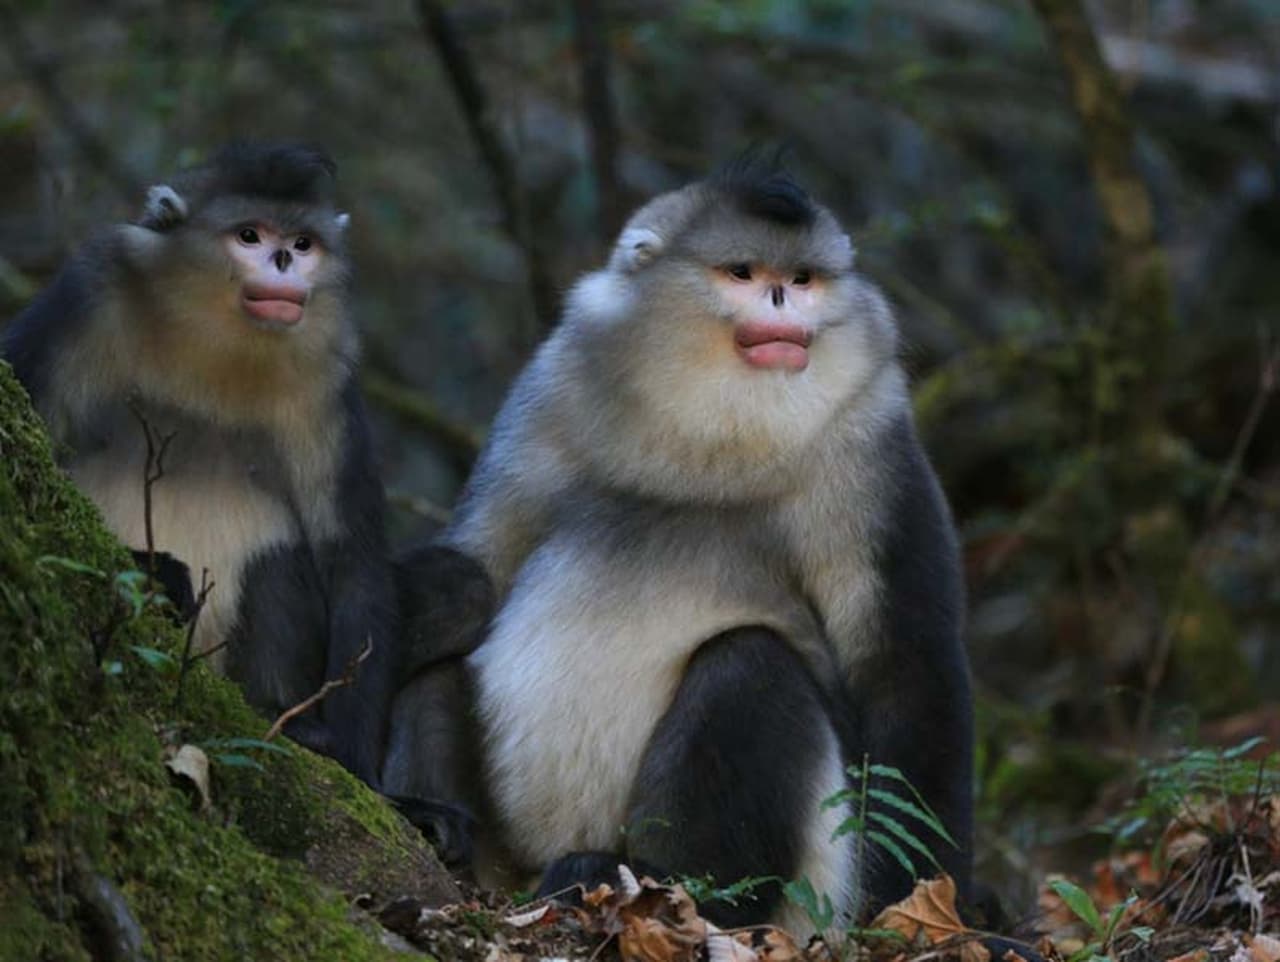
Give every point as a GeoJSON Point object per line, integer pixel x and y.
{"type": "Point", "coordinates": [348, 676]}
{"type": "Point", "coordinates": [1139, 309]}
{"type": "Point", "coordinates": [210, 652]}
{"type": "Point", "coordinates": [592, 42]}
{"type": "Point", "coordinates": [1268, 377]}
{"type": "Point", "coordinates": [152, 471]}
{"type": "Point", "coordinates": [462, 440]}
{"type": "Point", "coordinates": [1255, 913]}
{"type": "Point", "coordinates": [206, 586]}
{"type": "Point", "coordinates": [465, 80]}
{"type": "Point", "coordinates": [595, 954]}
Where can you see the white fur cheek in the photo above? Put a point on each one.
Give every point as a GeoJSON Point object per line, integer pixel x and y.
{"type": "Point", "coordinates": [600, 298]}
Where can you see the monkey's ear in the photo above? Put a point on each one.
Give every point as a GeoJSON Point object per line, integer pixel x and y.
{"type": "Point", "coordinates": [636, 247]}
{"type": "Point", "coordinates": [164, 209]}
{"type": "Point", "coordinates": [342, 220]}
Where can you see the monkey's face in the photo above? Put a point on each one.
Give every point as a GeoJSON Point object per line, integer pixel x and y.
{"type": "Point", "coordinates": [776, 313]}
{"type": "Point", "coordinates": [277, 273]}
{"type": "Point", "coordinates": [727, 342]}
{"type": "Point", "coordinates": [240, 303]}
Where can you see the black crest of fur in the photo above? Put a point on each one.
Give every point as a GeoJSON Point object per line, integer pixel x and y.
{"type": "Point", "coordinates": [289, 173]}
{"type": "Point", "coordinates": [761, 187]}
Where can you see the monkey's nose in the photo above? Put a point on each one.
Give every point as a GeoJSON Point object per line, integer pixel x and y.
{"type": "Point", "coordinates": [282, 259]}
{"type": "Point", "coordinates": [777, 295]}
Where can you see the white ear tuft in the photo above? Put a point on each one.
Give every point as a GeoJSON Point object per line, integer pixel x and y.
{"type": "Point", "coordinates": [342, 220]}
{"type": "Point", "coordinates": [164, 208]}
{"type": "Point", "coordinates": [636, 247]}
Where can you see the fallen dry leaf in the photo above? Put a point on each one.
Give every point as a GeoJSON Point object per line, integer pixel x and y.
{"type": "Point", "coordinates": [724, 947]}
{"type": "Point", "coordinates": [1195, 955]}
{"type": "Point", "coordinates": [930, 910]}
{"type": "Point", "coordinates": [521, 919]}
{"type": "Point", "coordinates": [190, 765]}
{"type": "Point", "coordinates": [778, 946]}
{"type": "Point", "coordinates": [648, 939]}
{"type": "Point", "coordinates": [1263, 948]}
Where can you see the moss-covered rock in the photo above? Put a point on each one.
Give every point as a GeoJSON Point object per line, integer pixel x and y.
{"type": "Point", "coordinates": [94, 832]}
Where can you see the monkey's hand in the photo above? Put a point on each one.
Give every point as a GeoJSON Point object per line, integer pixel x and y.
{"type": "Point", "coordinates": [446, 600]}
{"type": "Point", "coordinates": [448, 827]}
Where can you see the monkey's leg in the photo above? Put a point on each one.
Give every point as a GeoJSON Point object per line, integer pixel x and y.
{"type": "Point", "coordinates": [731, 785]}
{"type": "Point", "coordinates": [429, 765]}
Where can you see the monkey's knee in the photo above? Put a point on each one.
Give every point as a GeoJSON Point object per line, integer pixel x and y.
{"type": "Point", "coordinates": [429, 767]}
{"type": "Point", "coordinates": [447, 826]}
{"type": "Point", "coordinates": [430, 746]}
{"type": "Point", "coordinates": [732, 780]}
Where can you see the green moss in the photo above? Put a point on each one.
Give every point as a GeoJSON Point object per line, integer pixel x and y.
{"type": "Point", "coordinates": [28, 933]}
{"type": "Point", "coordinates": [82, 780]}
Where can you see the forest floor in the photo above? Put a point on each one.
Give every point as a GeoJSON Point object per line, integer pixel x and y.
{"type": "Point", "coordinates": [1208, 890]}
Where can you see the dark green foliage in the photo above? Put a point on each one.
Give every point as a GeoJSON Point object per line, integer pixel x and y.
{"type": "Point", "coordinates": [1192, 784]}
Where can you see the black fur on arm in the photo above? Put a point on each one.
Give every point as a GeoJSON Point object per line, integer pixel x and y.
{"type": "Point", "coordinates": [446, 600]}
{"type": "Point", "coordinates": [361, 608]}
{"type": "Point", "coordinates": [910, 706]}
{"type": "Point", "coordinates": [33, 340]}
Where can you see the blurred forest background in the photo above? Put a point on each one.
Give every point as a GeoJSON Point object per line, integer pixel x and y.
{"type": "Point", "coordinates": [1109, 449]}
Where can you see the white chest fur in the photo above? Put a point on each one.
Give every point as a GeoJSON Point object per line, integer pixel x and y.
{"type": "Point", "coordinates": [210, 516]}
{"type": "Point", "coordinates": [581, 664]}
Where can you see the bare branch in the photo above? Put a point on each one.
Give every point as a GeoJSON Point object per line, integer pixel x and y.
{"type": "Point", "coordinates": [462, 440]}
{"type": "Point", "coordinates": [465, 80]}
{"type": "Point", "coordinates": [1268, 380]}
{"type": "Point", "coordinates": [44, 79]}
{"type": "Point", "coordinates": [348, 676]}
{"type": "Point", "coordinates": [206, 586]}
{"type": "Point", "coordinates": [152, 471]}
{"type": "Point", "coordinates": [591, 39]}
{"type": "Point", "coordinates": [1139, 298]}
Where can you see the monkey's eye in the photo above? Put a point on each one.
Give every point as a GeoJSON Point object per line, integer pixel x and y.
{"type": "Point", "coordinates": [740, 271]}
{"type": "Point", "coordinates": [802, 278]}
{"type": "Point", "coordinates": [248, 235]}
{"type": "Point", "coordinates": [302, 244]}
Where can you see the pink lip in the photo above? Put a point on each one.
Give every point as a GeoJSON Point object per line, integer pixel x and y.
{"type": "Point", "coordinates": [773, 346]}
{"type": "Point", "coordinates": [274, 303]}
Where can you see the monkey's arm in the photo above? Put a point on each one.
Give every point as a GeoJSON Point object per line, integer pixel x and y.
{"type": "Point", "coordinates": [34, 340]}
{"type": "Point", "coordinates": [909, 704]}
{"type": "Point", "coordinates": [361, 608]}
{"type": "Point", "coordinates": [445, 600]}
{"type": "Point", "coordinates": [511, 498]}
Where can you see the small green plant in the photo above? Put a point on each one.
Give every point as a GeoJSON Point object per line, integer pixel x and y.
{"type": "Point", "coordinates": [484, 925]}
{"type": "Point", "coordinates": [232, 751]}
{"type": "Point", "coordinates": [70, 564]}
{"type": "Point", "coordinates": [704, 889]}
{"type": "Point", "coordinates": [136, 593]}
{"type": "Point", "coordinates": [1103, 931]}
{"type": "Point", "coordinates": [873, 825]}
{"type": "Point", "coordinates": [818, 907]}
{"type": "Point", "coordinates": [1172, 787]}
